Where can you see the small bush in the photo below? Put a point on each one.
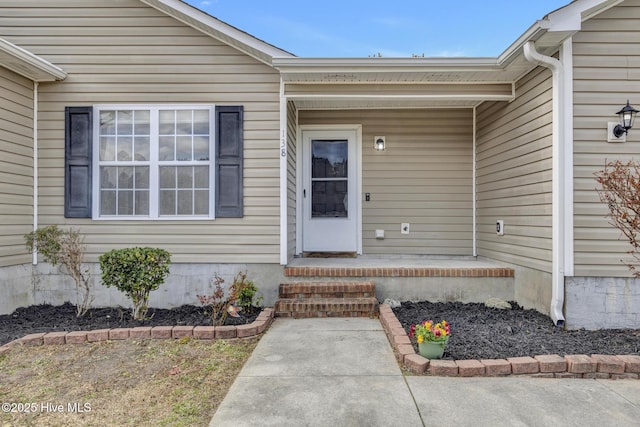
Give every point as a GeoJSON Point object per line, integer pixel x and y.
{"type": "Point", "coordinates": [136, 272]}
{"type": "Point", "coordinates": [620, 191]}
{"type": "Point", "coordinates": [245, 291]}
{"type": "Point", "coordinates": [217, 302]}
{"type": "Point", "coordinates": [241, 294]}
{"type": "Point", "coordinates": [67, 249]}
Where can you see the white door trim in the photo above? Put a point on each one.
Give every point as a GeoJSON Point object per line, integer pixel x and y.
{"type": "Point", "coordinates": [300, 180]}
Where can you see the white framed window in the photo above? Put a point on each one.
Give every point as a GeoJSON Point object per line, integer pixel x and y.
{"type": "Point", "coordinates": [153, 162]}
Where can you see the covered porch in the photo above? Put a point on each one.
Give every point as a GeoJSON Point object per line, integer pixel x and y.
{"type": "Point", "coordinates": [417, 195]}
{"type": "Point", "coordinates": [467, 143]}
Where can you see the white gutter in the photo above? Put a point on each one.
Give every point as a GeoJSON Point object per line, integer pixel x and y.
{"type": "Point", "coordinates": [35, 166]}
{"type": "Point", "coordinates": [282, 153]}
{"type": "Point", "coordinates": [558, 187]}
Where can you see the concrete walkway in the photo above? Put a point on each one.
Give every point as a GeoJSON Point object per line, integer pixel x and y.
{"type": "Point", "coordinates": [342, 372]}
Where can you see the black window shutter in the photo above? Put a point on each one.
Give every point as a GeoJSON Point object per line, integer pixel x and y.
{"type": "Point", "coordinates": [229, 162]}
{"type": "Point", "coordinates": [77, 162]}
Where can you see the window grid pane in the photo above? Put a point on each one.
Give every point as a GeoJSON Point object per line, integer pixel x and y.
{"type": "Point", "coordinates": [183, 191]}
{"type": "Point", "coordinates": [184, 135]}
{"type": "Point", "coordinates": [124, 190]}
{"type": "Point", "coordinates": [126, 139]}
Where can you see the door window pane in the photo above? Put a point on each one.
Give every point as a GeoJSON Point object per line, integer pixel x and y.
{"type": "Point", "coordinates": [329, 159]}
{"type": "Point", "coordinates": [329, 199]}
{"type": "Point", "coordinates": [329, 178]}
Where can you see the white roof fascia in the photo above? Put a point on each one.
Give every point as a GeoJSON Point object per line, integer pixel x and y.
{"type": "Point", "coordinates": [533, 33]}
{"type": "Point", "coordinates": [296, 65]}
{"type": "Point", "coordinates": [27, 64]}
{"type": "Point", "coordinates": [220, 30]}
{"type": "Point", "coordinates": [571, 16]}
{"type": "Point", "coordinates": [567, 19]}
{"type": "Point", "coordinates": [376, 64]}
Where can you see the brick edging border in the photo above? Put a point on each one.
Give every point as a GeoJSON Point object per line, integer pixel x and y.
{"type": "Point", "coordinates": [254, 328]}
{"type": "Point", "coordinates": [598, 366]}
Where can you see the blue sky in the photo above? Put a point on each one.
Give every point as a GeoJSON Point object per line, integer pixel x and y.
{"type": "Point", "coordinates": [360, 28]}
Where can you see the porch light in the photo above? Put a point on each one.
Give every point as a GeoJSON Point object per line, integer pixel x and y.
{"type": "Point", "coordinates": [627, 114]}
{"type": "Point", "coordinates": [378, 143]}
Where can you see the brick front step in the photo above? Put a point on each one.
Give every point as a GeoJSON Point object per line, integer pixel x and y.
{"type": "Point", "coordinates": [396, 272]}
{"type": "Point", "coordinates": [327, 290]}
{"type": "Point", "coordinates": [326, 307]}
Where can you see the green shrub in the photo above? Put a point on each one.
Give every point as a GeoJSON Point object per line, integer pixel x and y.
{"type": "Point", "coordinates": [67, 249]}
{"type": "Point", "coordinates": [136, 272]}
{"type": "Point", "coordinates": [245, 292]}
{"type": "Point", "coordinates": [241, 293]}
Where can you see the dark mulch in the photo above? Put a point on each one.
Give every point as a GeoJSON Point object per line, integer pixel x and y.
{"type": "Point", "coordinates": [48, 318]}
{"type": "Point", "coordinates": [479, 332]}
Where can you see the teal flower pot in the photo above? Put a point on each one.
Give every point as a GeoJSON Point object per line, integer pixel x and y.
{"type": "Point", "coordinates": [431, 349]}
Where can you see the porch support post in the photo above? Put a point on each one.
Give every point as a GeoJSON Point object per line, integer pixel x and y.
{"type": "Point", "coordinates": [282, 153]}
{"type": "Point", "coordinates": [558, 185]}
{"type": "Point", "coordinates": [35, 167]}
{"type": "Point", "coordinates": [473, 185]}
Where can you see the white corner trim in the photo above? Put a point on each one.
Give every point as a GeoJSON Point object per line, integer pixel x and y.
{"type": "Point", "coordinates": [35, 166]}
{"type": "Point", "coordinates": [474, 183]}
{"type": "Point", "coordinates": [283, 154]}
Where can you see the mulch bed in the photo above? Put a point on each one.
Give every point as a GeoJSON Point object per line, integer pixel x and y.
{"type": "Point", "coordinates": [479, 332]}
{"type": "Point", "coordinates": [48, 318]}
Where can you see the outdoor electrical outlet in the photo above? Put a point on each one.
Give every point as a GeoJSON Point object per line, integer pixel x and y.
{"type": "Point", "coordinates": [404, 228]}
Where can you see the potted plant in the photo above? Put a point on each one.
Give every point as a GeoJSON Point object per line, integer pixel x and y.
{"type": "Point", "coordinates": [431, 338]}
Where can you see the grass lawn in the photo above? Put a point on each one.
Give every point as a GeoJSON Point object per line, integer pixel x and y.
{"type": "Point", "coordinates": [120, 383]}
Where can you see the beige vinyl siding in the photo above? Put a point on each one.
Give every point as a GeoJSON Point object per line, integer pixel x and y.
{"type": "Point", "coordinates": [606, 55]}
{"type": "Point", "coordinates": [514, 174]}
{"type": "Point", "coordinates": [16, 166]}
{"type": "Point", "coordinates": [422, 178]}
{"type": "Point", "coordinates": [126, 52]}
{"type": "Point", "coordinates": [292, 130]}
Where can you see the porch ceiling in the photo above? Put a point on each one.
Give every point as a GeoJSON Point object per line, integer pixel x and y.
{"type": "Point", "coordinates": [347, 83]}
{"type": "Point", "coordinates": [315, 83]}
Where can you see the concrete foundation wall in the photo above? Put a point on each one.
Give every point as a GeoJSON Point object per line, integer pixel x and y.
{"type": "Point", "coordinates": [532, 288]}
{"type": "Point", "coordinates": [27, 285]}
{"type": "Point", "coordinates": [602, 303]}
{"type": "Point", "coordinates": [16, 288]}
{"type": "Point", "coordinates": [443, 289]}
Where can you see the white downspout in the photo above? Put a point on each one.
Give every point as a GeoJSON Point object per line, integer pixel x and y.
{"type": "Point", "coordinates": [35, 166]}
{"type": "Point", "coordinates": [558, 187]}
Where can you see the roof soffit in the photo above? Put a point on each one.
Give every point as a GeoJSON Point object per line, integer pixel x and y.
{"type": "Point", "coordinates": [28, 65]}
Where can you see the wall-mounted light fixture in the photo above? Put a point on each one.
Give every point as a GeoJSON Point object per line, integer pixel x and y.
{"type": "Point", "coordinates": [627, 114]}
{"type": "Point", "coordinates": [379, 143]}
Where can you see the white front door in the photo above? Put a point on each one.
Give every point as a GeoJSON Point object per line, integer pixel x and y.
{"type": "Point", "coordinates": [329, 191]}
